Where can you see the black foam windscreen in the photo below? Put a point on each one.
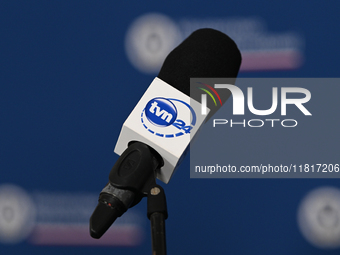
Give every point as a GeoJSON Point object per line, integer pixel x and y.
{"type": "Point", "coordinates": [206, 53]}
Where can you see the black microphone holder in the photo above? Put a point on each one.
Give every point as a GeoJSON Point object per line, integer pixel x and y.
{"type": "Point", "coordinates": [132, 178]}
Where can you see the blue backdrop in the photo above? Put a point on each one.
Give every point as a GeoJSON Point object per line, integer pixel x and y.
{"type": "Point", "coordinates": [72, 71]}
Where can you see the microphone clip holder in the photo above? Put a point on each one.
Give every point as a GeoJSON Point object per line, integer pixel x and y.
{"type": "Point", "coordinates": [136, 171]}
{"type": "Point", "coordinates": [133, 177]}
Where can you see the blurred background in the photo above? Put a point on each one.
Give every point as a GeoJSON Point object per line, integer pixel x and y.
{"type": "Point", "coordinates": [72, 71]}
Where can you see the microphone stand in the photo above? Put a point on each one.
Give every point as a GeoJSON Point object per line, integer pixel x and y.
{"type": "Point", "coordinates": [132, 178]}
{"type": "Point", "coordinates": [142, 179]}
{"type": "Point", "coordinates": [157, 213]}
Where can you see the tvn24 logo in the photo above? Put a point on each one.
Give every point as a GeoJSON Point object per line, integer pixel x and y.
{"type": "Point", "coordinates": [168, 117]}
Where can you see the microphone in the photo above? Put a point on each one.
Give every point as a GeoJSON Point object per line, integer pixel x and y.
{"type": "Point", "coordinates": [156, 135]}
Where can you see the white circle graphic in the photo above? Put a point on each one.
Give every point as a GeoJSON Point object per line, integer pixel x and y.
{"type": "Point", "coordinates": [149, 40]}
{"type": "Point", "coordinates": [17, 214]}
{"type": "Point", "coordinates": [319, 217]}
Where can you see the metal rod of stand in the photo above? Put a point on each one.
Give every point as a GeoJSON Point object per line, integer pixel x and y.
{"type": "Point", "coordinates": [157, 213]}
{"type": "Point", "coordinates": [158, 234]}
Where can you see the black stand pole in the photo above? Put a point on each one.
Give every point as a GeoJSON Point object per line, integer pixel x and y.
{"type": "Point", "coordinates": [157, 213]}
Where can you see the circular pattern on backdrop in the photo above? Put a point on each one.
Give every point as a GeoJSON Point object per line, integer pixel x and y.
{"type": "Point", "coordinates": [149, 40]}
{"type": "Point", "coordinates": [319, 217]}
{"type": "Point", "coordinates": [17, 214]}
